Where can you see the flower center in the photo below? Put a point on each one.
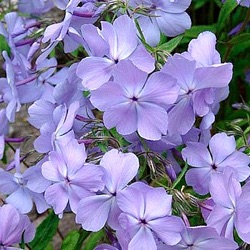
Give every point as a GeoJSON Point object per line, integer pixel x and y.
{"type": "Point", "coordinates": [214, 167]}
{"type": "Point", "coordinates": [134, 99]}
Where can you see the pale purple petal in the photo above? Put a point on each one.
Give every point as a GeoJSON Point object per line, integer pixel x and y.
{"type": "Point", "coordinates": [216, 76]}
{"type": "Point", "coordinates": [197, 155]}
{"type": "Point", "coordinates": [221, 146]}
{"type": "Point", "coordinates": [121, 169]}
{"type": "Point", "coordinates": [142, 59]}
{"type": "Point", "coordinates": [57, 196]}
{"type": "Point", "coordinates": [74, 155]}
{"type": "Point", "coordinates": [35, 181]}
{"type": "Point", "coordinates": [108, 95]}
{"type": "Point", "coordinates": [150, 30]}
{"type": "Point", "coordinates": [152, 121]}
{"type": "Point", "coordinates": [94, 71]}
{"type": "Point", "coordinates": [89, 177]}
{"type": "Point", "coordinates": [158, 204]}
{"type": "Point", "coordinates": [222, 220]}
{"type": "Point", "coordinates": [239, 162]}
{"type": "Point", "coordinates": [40, 113]}
{"type": "Point", "coordinates": [131, 200]}
{"type": "Point", "coordinates": [143, 240]}
{"type": "Point", "coordinates": [160, 89]}
{"type": "Point", "coordinates": [95, 44]}
{"type": "Point", "coordinates": [173, 66]}
{"type": "Point", "coordinates": [41, 204]}
{"type": "Point", "coordinates": [133, 82]}
{"type": "Point", "coordinates": [21, 199]}
{"type": "Point", "coordinates": [117, 116]}
{"type": "Point", "coordinates": [7, 183]}
{"type": "Point", "coordinates": [203, 49]}
{"type": "Point", "coordinates": [93, 212]}
{"type": "Point", "coordinates": [199, 179]}
{"type": "Point", "coordinates": [183, 115]}
{"type": "Point", "coordinates": [173, 24]}
{"type": "Point", "coordinates": [167, 229]}
{"type": "Point", "coordinates": [126, 37]}
{"type": "Point", "coordinates": [54, 169]}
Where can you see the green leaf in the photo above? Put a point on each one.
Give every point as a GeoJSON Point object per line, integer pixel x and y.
{"type": "Point", "coordinates": [4, 45]}
{"type": "Point", "coordinates": [74, 240]}
{"type": "Point", "coordinates": [194, 31]}
{"type": "Point", "coordinates": [225, 12]}
{"type": "Point", "coordinates": [242, 38]}
{"type": "Point", "coordinates": [93, 240]}
{"type": "Point", "coordinates": [199, 3]}
{"type": "Point", "coordinates": [49, 247]}
{"type": "Point", "coordinates": [171, 45]}
{"type": "Point", "coordinates": [45, 232]}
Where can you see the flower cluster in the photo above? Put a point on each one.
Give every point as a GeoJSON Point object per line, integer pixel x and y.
{"type": "Point", "coordinates": [118, 127]}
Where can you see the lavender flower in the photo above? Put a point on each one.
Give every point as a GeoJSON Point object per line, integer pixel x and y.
{"type": "Point", "coordinates": [109, 46]}
{"type": "Point", "coordinates": [34, 6]}
{"type": "Point", "coordinates": [21, 189]}
{"type": "Point", "coordinates": [168, 17]}
{"type": "Point", "coordinates": [94, 211]}
{"type": "Point", "coordinates": [146, 215]}
{"type": "Point", "coordinates": [58, 131]}
{"type": "Point", "coordinates": [72, 178]}
{"type": "Point", "coordinates": [231, 207]}
{"type": "Point", "coordinates": [144, 102]}
{"type": "Point", "coordinates": [198, 90]}
{"type": "Point", "coordinates": [222, 153]}
{"type": "Point", "coordinates": [201, 238]}
{"type": "Point", "coordinates": [14, 226]}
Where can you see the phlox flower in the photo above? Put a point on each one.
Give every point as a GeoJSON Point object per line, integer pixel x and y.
{"type": "Point", "coordinates": [35, 7]}
{"type": "Point", "coordinates": [146, 216]}
{"type": "Point", "coordinates": [221, 154]}
{"type": "Point", "coordinates": [58, 131]}
{"type": "Point", "coordinates": [94, 211]}
{"type": "Point", "coordinates": [72, 178]}
{"type": "Point", "coordinates": [231, 206]}
{"type": "Point", "coordinates": [201, 238]}
{"type": "Point", "coordinates": [68, 30]}
{"type": "Point", "coordinates": [13, 227]}
{"type": "Point", "coordinates": [166, 16]}
{"type": "Point", "coordinates": [198, 90]}
{"type": "Point", "coordinates": [107, 48]}
{"type": "Point", "coordinates": [131, 95]}
{"type": "Point", "coordinates": [24, 188]}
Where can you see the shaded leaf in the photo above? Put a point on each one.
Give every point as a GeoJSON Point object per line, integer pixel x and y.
{"type": "Point", "coordinates": [45, 232]}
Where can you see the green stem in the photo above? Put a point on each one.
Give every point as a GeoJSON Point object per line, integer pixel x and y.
{"type": "Point", "coordinates": [180, 176]}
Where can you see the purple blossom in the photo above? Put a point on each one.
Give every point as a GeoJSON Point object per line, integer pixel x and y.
{"type": "Point", "coordinates": [35, 6]}
{"type": "Point", "coordinates": [231, 207]}
{"type": "Point", "coordinates": [221, 154]}
{"type": "Point", "coordinates": [201, 238]}
{"type": "Point", "coordinates": [143, 100]}
{"type": "Point", "coordinates": [146, 216]}
{"type": "Point", "coordinates": [68, 30]}
{"type": "Point", "coordinates": [72, 178]}
{"type": "Point", "coordinates": [24, 188]}
{"type": "Point", "coordinates": [58, 131]}
{"type": "Point", "coordinates": [198, 90]}
{"type": "Point", "coordinates": [94, 211]}
{"type": "Point", "coordinates": [14, 226]}
{"type": "Point", "coordinates": [168, 17]}
{"type": "Point", "coordinates": [107, 48]}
